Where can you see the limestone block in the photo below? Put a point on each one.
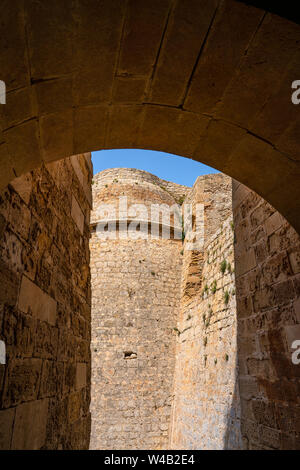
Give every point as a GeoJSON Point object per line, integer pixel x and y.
{"type": "Point", "coordinates": [77, 215]}
{"type": "Point", "coordinates": [96, 53]}
{"type": "Point", "coordinates": [23, 146]}
{"type": "Point", "coordinates": [128, 90]}
{"type": "Point", "coordinates": [273, 223]}
{"type": "Point", "coordinates": [30, 425]}
{"type": "Point", "coordinates": [6, 428]}
{"type": "Point", "coordinates": [242, 103]}
{"type": "Point", "coordinates": [162, 121]}
{"type": "Point", "coordinates": [6, 167]}
{"type": "Point", "coordinates": [54, 95]}
{"type": "Point", "coordinates": [142, 36]}
{"type": "Point", "coordinates": [22, 381]}
{"type": "Point", "coordinates": [89, 128]}
{"type": "Point", "coordinates": [23, 186]}
{"type": "Point", "coordinates": [50, 42]}
{"type": "Point", "coordinates": [19, 107]}
{"type": "Point", "coordinates": [9, 285]}
{"type": "Point", "coordinates": [13, 54]}
{"type": "Point", "coordinates": [82, 177]}
{"type": "Point", "coordinates": [81, 374]}
{"type": "Point", "coordinates": [33, 299]}
{"type": "Point", "coordinates": [57, 135]}
{"type": "Point", "coordinates": [292, 333]}
{"type": "Point", "coordinates": [228, 38]}
{"type": "Point", "coordinates": [188, 26]}
{"type": "Point", "coordinates": [74, 407]}
{"type": "Point", "coordinates": [294, 257]}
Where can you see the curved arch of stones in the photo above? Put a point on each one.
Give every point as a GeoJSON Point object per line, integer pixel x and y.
{"type": "Point", "coordinates": [206, 80]}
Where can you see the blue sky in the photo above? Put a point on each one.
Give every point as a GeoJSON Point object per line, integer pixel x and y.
{"type": "Point", "coordinates": [164, 165]}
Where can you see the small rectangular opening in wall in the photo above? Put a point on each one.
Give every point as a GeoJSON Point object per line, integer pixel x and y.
{"type": "Point", "coordinates": [130, 355]}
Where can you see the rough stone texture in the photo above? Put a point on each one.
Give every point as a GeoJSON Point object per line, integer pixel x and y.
{"type": "Point", "coordinates": [45, 308]}
{"type": "Point", "coordinates": [135, 300]}
{"type": "Point", "coordinates": [209, 80]}
{"type": "Point", "coordinates": [148, 293]}
{"type": "Point", "coordinates": [165, 371]}
{"type": "Point", "coordinates": [206, 412]}
{"type": "Point", "coordinates": [268, 315]}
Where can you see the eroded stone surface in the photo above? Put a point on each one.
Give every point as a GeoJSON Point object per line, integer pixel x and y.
{"type": "Point", "coordinates": [44, 308]}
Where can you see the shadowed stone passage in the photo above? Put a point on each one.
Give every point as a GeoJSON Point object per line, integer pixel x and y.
{"type": "Point", "coordinates": [45, 308]}
{"type": "Point", "coordinates": [206, 79]}
{"type": "Point", "coordinates": [267, 258]}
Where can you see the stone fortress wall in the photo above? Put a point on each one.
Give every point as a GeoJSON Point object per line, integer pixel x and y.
{"type": "Point", "coordinates": [45, 307]}
{"type": "Point", "coordinates": [267, 259]}
{"type": "Point", "coordinates": [165, 379]}
{"type": "Point", "coordinates": [147, 301]}
{"type": "Point", "coordinates": [205, 414]}
{"type": "Point", "coordinates": [135, 306]}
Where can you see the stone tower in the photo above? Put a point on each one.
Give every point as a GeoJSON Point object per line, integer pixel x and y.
{"type": "Point", "coordinates": [136, 296]}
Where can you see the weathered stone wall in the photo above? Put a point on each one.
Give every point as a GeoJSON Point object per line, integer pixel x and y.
{"type": "Point", "coordinates": [205, 414]}
{"type": "Point", "coordinates": [267, 253]}
{"type": "Point", "coordinates": [182, 357]}
{"type": "Point", "coordinates": [45, 307]}
{"type": "Point", "coordinates": [136, 295]}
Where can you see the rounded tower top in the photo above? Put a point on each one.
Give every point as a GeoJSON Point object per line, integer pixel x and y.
{"type": "Point", "coordinates": [138, 186]}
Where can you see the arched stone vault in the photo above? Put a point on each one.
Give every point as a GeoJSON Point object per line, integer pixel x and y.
{"type": "Point", "coordinates": [209, 80]}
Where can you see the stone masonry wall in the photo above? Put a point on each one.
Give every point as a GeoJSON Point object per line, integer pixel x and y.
{"type": "Point", "coordinates": [45, 307]}
{"type": "Point", "coordinates": [136, 295]}
{"type": "Point", "coordinates": [267, 252]}
{"type": "Point", "coordinates": [206, 414]}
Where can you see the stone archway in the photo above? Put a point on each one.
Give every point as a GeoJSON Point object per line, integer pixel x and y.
{"type": "Point", "coordinates": [206, 80]}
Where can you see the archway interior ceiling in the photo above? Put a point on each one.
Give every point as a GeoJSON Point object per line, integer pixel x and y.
{"type": "Point", "coordinates": [209, 80]}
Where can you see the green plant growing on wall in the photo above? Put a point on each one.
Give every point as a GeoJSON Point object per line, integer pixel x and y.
{"type": "Point", "coordinates": [223, 266]}
{"type": "Point", "coordinates": [229, 268]}
{"type": "Point", "coordinates": [216, 360]}
{"type": "Point", "coordinates": [214, 287]}
{"type": "Point", "coordinates": [153, 273]}
{"type": "Point", "coordinates": [181, 200]}
{"type": "Point", "coordinates": [205, 341]}
{"type": "Point", "coordinates": [226, 297]}
{"type": "Point", "coordinates": [232, 226]}
{"type": "Point", "coordinates": [208, 318]}
{"type": "Point", "coordinates": [182, 251]}
{"type": "Point", "coordinates": [226, 357]}
{"type": "Point", "coordinates": [205, 290]}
